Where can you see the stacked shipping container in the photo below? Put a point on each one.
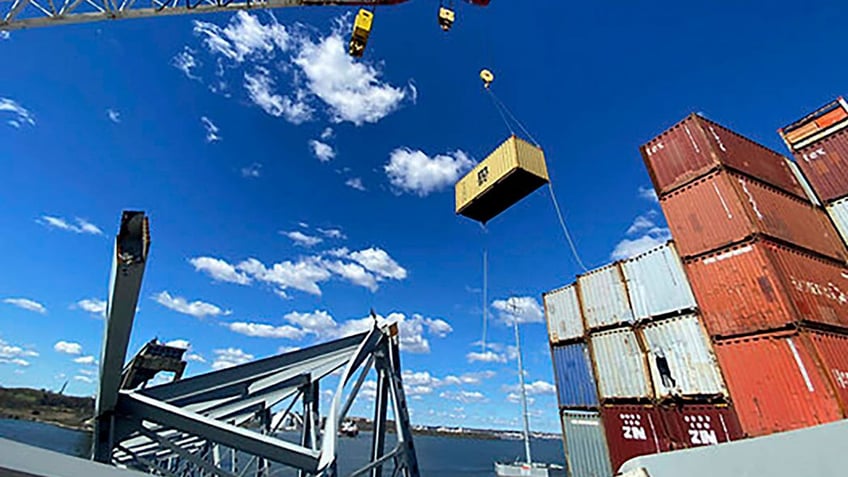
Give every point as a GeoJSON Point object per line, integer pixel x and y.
{"type": "Point", "coordinates": [765, 263]}
{"type": "Point", "coordinates": [630, 354]}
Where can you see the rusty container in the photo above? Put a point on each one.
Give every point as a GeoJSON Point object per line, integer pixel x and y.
{"type": "Point", "coordinates": [776, 383]}
{"type": "Point", "coordinates": [761, 285]}
{"type": "Point", "coordinates": [633, 430]}
{"type": "Point", "coordinates": [832, 350]}
{"type": "Point", "coordinates": [725, 207]}
{"type": "Point", "coordinates": [696, 146]}
{"type": "Point", "coordinates": [696, 425]}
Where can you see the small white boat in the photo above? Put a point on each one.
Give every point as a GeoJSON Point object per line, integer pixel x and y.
{"type": "Point", "coordinates": [349, 429]}
{"type": "Point", "coordinates": [523, 469]}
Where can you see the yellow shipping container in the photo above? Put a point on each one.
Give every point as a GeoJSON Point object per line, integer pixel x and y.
{"type": "Point", "coordinates": [511, 172]}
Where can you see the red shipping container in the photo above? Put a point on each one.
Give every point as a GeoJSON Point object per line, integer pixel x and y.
{"type": "Point", "coordinates": [825, 164]}
{"type": "Point", "coordinates": [775, 383]}
{"type": "Point", "coordinates": [633, 430]}
{"type": "Point", "coordinates": [725, 207]}
{"type": "Point", "coordinates": [760, 285]}
{"type": "Point", "coordinates": [695, 146]}
{"type": "Point", "coordinates": [695, 425]}
{"type": "Point", "coordinates": [832, 349]}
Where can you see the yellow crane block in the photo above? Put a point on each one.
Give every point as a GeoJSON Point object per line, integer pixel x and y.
{"type": "Point", "coordinates": [510, 173]}
{"type": "Point", "coordinates": [361, 31]}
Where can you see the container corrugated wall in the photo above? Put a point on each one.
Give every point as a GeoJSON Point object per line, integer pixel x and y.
{"type": "Point", "coordinates": [696, 425]}
{"type": "Point", "coordinates": [832, 349]}
{"type": "Point", "coordinates": [604, 297]}
{"type": "Point", "coordinates": [575, 380]}
{"type": "Point", "coordinates": [633, 430]}
{"type": "Point", "coordinates": [694, 146]}
{"type": "Point", "coordinates": [690, 367]}
{"type": "Point", "coordinates": [586, 451]}
{"type": "Point", "coordinates": [620, 365]}
{"type": "Point", "coordinates": [825, 163]}
{"type": "Point", "coordinates": [656, 282]}
{"type": "Point", "coordinates": [776, 383]}
{"type": "Point", "coordinates": [808, 189]}
{"type": "Point", "coordinates": [724, 208]}
{"type": "Point", "coordinates": [838, 212]}
{"type": "Point", "coordinates": [760, 285]}
{"type": "Point", "coordinates": [562, 312]}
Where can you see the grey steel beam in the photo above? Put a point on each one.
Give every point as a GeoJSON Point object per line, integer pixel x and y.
{"type": "Point", "coordinates": [145, 407]}
{"type": "Point", "coordinates": [407, 458]}
{"type": "Point", "coordinates": [378, 438]}
{"type": "Point", "coordinates": [150, 464]}
{"type": "Point", "coordinates": [355, 390]}
{"type": "Point", "coordinates": [194, 459]}
{"type": "Point", "coordinates": [130, 257]}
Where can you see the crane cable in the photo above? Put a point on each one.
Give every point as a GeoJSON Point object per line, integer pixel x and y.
{"type": "Point", "coordinates": [502, 108]}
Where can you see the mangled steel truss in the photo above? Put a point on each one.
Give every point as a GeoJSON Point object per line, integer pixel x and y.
{"type": "Point", "coordinates": [191, 426]}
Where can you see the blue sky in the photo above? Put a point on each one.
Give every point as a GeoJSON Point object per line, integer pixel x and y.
{"type": "Point", "coordinates": [290, 189]}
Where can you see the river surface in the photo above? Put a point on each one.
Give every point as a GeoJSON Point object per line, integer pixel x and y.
{"type": "Point", "coordinates": [437, 456]}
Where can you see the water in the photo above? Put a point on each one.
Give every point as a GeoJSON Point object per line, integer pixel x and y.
{"type": "Point", "coordinates": [437, 456]}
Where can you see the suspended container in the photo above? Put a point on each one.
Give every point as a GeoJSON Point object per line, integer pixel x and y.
{"type": "Point", "coordinates": [633, 430]}
{"type": "Point", "coordinates": [681, 359]}
{"type": "Point", "coordinates": [656, 283]}
{"type": "Point", "coordinates": [819, 142]}
{"type": "Point", "coordinates": [695, 146]}
{"type": "Point", "coordinates": [603, 297]}
{"type": "Point", "coordinates": [838, 212]}
{"type": "Point", "coordinates": [511, 172]}
{"type": "Point", "coordinates": [562, 312]}
{"type": "Point", "coordinates": [697, 425]}
{"type": "Point", "coordinates": [832, 350]}
{"type": "Point", "coordinates": [575, 380]}
{"type": "Point", "coordinates": [761, 285]}
{"type": "Point", "coordinates": [620, 365]}
{"type": "Point", "coordinates": [776, 383]}
{"type": "Point", "coordinates": [586, 451]}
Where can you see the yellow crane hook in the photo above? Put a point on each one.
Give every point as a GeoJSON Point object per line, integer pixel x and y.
{"type": "Point", "coordinates": [487, 77]}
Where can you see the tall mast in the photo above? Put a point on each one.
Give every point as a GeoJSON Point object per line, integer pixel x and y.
{"type": "Point", "coordinates": [523, 392]}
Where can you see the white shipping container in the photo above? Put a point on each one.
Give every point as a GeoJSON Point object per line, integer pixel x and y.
{"type": "Point", "coordinates": [604, 297]}
{"type": "Point", "coordinates": [620, 364]}
{"type": "Point", "coordinates": [681, 358]}
{"type": "Point", "coordinates": [656, 282]}
{"type": "Point", "coordinates": [838, 211]}
{"type": "Point", "coordinates": [562, 311]}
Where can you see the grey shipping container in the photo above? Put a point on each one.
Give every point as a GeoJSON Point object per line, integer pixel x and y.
{"type": "Point", "coordinates": [586, 451]}
{"type": "Point", "coordinates": [603, 297]}
{"type": "Point", "coordinates": [838, 212]}
{"type": "Point", "coordinates": [656, 282]}
{"type": "Point", "coordinates": [575, 380]}
{"type": "Point", "coordinates": [562, 312]}
{"type": "Point", "coordinates": [620, 364]}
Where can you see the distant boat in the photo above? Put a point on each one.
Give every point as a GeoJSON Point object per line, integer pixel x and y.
{"type": "Point", "coordinates": [349, 429]}
{"type": "Point", "coordinates": [528, 468]}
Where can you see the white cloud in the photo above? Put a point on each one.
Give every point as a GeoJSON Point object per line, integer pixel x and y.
{"type": "Point", "coordinates": [262, 330]}
{"type": "Point", "coordinates": [26, 304]}
{"type": "Point", "coordinates": [378, 261]}
{"type": "Point", "coordinates": [469, 378]}
{"type": "Point", "coordinates": [524, 309]}
{"type": "Point", "coordinates": [351, 89]}
{"type": "Point", "coordinates": [84, 379]}
{"type": "Point", "coordinates": [185, 61]}
{"type": "Point", "coordinates": [303, 275]}
{"type": "Point", "coordinates": [438, 327]}
{"type": "Point", "coordinates": [515, 398]}
{"type": "Point", "coordinates": [332, 233]}
{"type": "Point", "coordinates": [113, 115]}
{"type": "Point", "coordinates": [87, 372]}
{"type": "Point", "coordinates": [535, 388]}
{"type": "Point", "coordinates": [291, 349]}
{"type": "Point", "coordinates": [355, 183]}
{"type": "Point", "coordinates": [20, 114]}
{"type": "Point", "coordinates": [195, 357]}
{"type": "Point", "coordinates": [649, 194]}
{"type": "Point", "coordinates": [68, 347]}
{"type": "Point", "coordinates": [182, 344]}
{"type": "Point", "coordinates": [93, 306]}
{"type": "Point", "coordinates": [82, 226]}
{"type": "Point", "coordinates": [211, 129]}
{"type": "Point", "coordinates": [321, 150]}
{"type": "Point", "coordinates": [88, 359]}
{"type": "Point", "coordinates": [302, 239]}
{"type": "Point", "coordinates": [415, 172]}
{"type": "Point", "coordinates": [260, 89]}
{"type": "Point", "coordinates": [466, 397]}
{"type": "Point", "coordinates": [219, 270]}
{"type": "Point", "coordinates": [4, 35]}
{"type": "Point", "coordinates": [12, 354]}
{"type": "Point", "coordinates": [229, 357]}
{"type": "Point", "coordinates": [353, 273]}
{"type": "Point", "coordinates": [253, 170]}
{"type": "Point", "coordinates": [244, 37]}
{"type": "Point", "coordinates": [485, 357]}
{"type": "Point", "coordinates": [197, 309]}
{"type": "Point", "coordinates": [326, 134]}
{"type": "Point", "coordinates": [653, 235]}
